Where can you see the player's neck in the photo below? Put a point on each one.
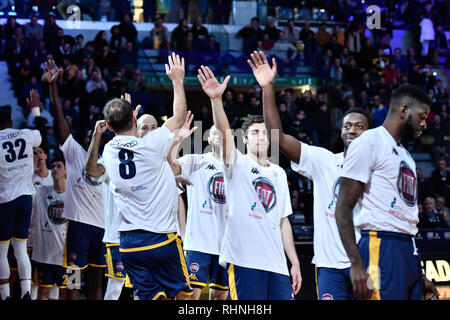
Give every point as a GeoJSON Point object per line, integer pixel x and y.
{"type": "Point", "coordinates": [42, 171]}
{"type": "Point", "coordinates": [261, 159]}
{"type": "Point", "coordinates": [216, 152]}
{"type": "Point", "coordinates": [59, 185]}
{"type": "Point", "coordinates": [130, 132]}
{"type": "Point", "coordinates": [394, 129]}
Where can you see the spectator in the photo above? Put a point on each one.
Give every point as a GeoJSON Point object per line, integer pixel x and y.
{"type": "Point", "coordinates": [381, 61]}
{"type": "Point", "coordinates": [340, 36]}
{"type": "Point", "coordinates": [271, 30]}
{"type": "Point", "coordinates": [128, 56]}
{"type": "Point", "coordinates": [34, 31]}
{"type": "Point", "coordinates": [337, 49]}
{"type": "Point", "coordinates": [336, 71]}
{"type": "Point", "coordinates": [322, 36]}
{"type": "Point", "coordinates": [198, 30]}
{"type": "Point", "coordinates": [159, 34]}
{"type": "Point", "coordinates": [297, 217]}
{"type": "Point", "coordinates": [306, 35]}
{"type": "Point", "coordinates": [117, 40]}
{"type": "Point", "coordinates": [251, 35]}
{"type": "Point", "coordinates": [439, 132]}
{"type": "Point", "coordinates": [442, 210]}
{"type": "Point", "coordinates": [430, 219]}
{"type": "Point", "coordinates": [424, 188]}
{"type": "Point", "coordinates": [95, 82]}
{"type": "Point", "coordinates": [105, 11]}
{"type": "Point", "coordinates": [291, 33]}
{"type": "Point", "coordinates": [285, 53]}
{"type": "Point", "coordinates": [285, 119]}
{"type": "Point", "coordinates": [127, 28]}
{"type": "Point", "coordinates": [392, 74]}
{"type": "Point", "coordinates": [106, 60]}
{"type": "Point", "coordinates": [400, 60]}
{"type": "Point", "coordinates": [64, 52]}
{"type": "Point", "coordinates": [50, 33]}
{"type": "Point", "coordinates": [179, 36]}
{"type": "Point", "coordinates": [440, 180]}
{"type": "Point", "coordinates": [33, 84]}
{"type": "Point", "coordinates": [352, 74]}
{"type": "Point", "coordinates": [354, 39]}
{"type": "Point", "coordinates": [427, 37]}
{"type": "Point", "coordinates": [379, 111]}
{"type": "Point", "coordinates": [138, 82]}
{"type": "Point", "coordinates": [323, 125]}
{"type": "Point", "coordinates": [267, 44]}
{"type": "Point", "coordinates": [302, 127]}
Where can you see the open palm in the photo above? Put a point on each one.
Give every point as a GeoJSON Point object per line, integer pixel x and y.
{"type": "Point", "coordinates": [262, 71]}
{"type": "Point", "coordinates": [210, 85]}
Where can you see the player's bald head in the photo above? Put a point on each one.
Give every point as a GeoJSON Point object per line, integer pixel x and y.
{"type": "Point", "coordinates": [145, 124]}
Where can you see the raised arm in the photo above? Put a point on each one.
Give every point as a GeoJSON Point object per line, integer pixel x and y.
{"type": "Point", "coordinates": [175, 71]}
{"type": "Point", "coordinates": [265, 75]}
{"type": "Point", "coordinates": [33, 103]}
{"type": "Point", "coordinates": [93, 168]}
{"type": "Point", "coordinates": [214, 91]}
{"type": "Point", "coordinates": [349, 192]}
{"type": "Point", "coordinates": [52, 75]}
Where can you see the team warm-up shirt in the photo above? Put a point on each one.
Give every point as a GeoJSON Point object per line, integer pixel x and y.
{"type": "Point", "coordinates": [112, 216]}
{"type": "Point", "coordinates": [16, 162]}
{"type": "Point", "coordinates": [37, 182]}
{"type": "Point", "coordinates": [50, 226]}
{"type": "Point", "coordinates": [83, 196]}
{"type": "Point", "coordinates": [389, 172]}
{"type": "Point", "coordinates": [142, 180]}
{"type": "Point", "coordinates": [257, 199]}
{"type": "Point", "coordinates": [206, 215]}
{"type": "Point", "coordinates": [324, 168]}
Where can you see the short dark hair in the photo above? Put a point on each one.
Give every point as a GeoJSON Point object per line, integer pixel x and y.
{"type": "Point", "coordinates": [408, 91]}
{"type": "Point", "coordinates": [360, 111]}
{"type": "Point", "coordinates": [118, 114]}
{"type": "Point", "coordinates": [251, 120]}
{"type": "Point", "coordinates": [5, 115]}
{"type": "Point", "coordinates": [58, 159]}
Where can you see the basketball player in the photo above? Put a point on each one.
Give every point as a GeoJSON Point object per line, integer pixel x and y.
{"type": "Point", "coordinates": [84, 249]}
{"type": "Point", "coordinates": [258, 201]}
{"type": "Point", "coordinates": [16, 190]}
{"type": "Point", "coordinates": [50, 234]}
{"type": "Point", "coordinates": [146, 196]}
{"type": "Point", "coordinates": [379, 169]}
{"type": "Point", "coordinates": [206, 217]}
{"type": "Point", "coordinates": [324, 168]}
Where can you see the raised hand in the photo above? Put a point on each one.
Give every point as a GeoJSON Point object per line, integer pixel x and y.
{"type": "Point", "coordinates": [264, 74]}
{"type": "Point", "coordinates": [34, 100]}
{"type": "Point", "coordinates": [175, 68]}
{"type": "Point", "coordinates": [127, 97]}
{"type": "Point", "coordinates": [210, 85]}
{"type": "Point", "coordinates": [100, 127]}
{"type": "Point", "coordinates": [51, 74]}
{"type": "Point", "coordinates": [184, 131]}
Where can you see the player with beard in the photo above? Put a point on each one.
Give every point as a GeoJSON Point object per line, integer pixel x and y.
{"type": "Point", "coordinates": [385, 264]}
{"type": "Point", "coordinates": [324, 168]}
{"type": "Point", "coordinates": [258, 235]}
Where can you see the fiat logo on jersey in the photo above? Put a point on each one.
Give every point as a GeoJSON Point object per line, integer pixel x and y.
{"type": "Point", "coordinates": [406, 184]}
{"type": "Point", "coordinates": [55, 212]}
{"type": "Point", "coordinates": [266, 192]}
{"type": "Point", "coordinates": [217, 188]}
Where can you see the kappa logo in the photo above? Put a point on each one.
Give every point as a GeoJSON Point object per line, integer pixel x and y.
{"type": "Point", "coordinates": [394, 151]}
{"type": "Point", "coordinates": [210, 167]}
{"type": "Point", "coordinates": [194, 267]}
{"type": "Point", "coordinates": [327, 296]}
{"type": "Point", "coordinates": [255, 171]}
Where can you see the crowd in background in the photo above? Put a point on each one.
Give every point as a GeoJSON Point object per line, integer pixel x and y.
{"type": "Point", "coordinates": [366, 70]}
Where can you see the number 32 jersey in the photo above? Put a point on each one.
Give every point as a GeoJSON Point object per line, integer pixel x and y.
{"type": "Point", "coordinates": [16, 162]}
{"type": "Point", "coordinates": [141, 178]}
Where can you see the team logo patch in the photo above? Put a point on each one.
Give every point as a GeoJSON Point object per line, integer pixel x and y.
{"type": "Point", "coordinates": [119, 266]}
{"type": "Point", "coordinates": [216, 187]}
{"type": "Point", "coordinates": [55, 212]}
{"type": "Point", "coordinates": [407, 184]}
{"type": "Point", "coordinates": [266, 193]}
{"type": "Point", "coordinates": [194, 267]}
{"type": "Point", "coordinates": [327, 296]}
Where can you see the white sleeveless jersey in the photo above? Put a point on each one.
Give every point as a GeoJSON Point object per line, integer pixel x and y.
{"type": "Point", "coordinates": [50, 226]}
{"type": "Point", "coordinates": [389, 172]}
{"type": "Point", "coordinates": [257, 199]}
{"type": "Point", "coordinates": [206, 214]}
{"type": "Point", "coordinates": [324, 168]}
{"type": "Point", "coordinates": [16, 162]}
{"type": "Point", "coordinates": [83, 196]}
{"type": "Point", "coordinates": [142, 180]}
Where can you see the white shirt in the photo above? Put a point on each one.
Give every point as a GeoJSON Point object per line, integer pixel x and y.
{"type": "Point", "coordinates": [142, 181]}
{"type": "Point", "coordinates": [16, 162]}
{"type": "Point", "coordinates": [257, 198]}
{"type": "Point", "coordinates": [324, 168]}
{"type": "Point", "coordinates": [112, 215]}
{"type": "Point", "coordinates": [206, 214]}
{"type": "Point", "coordinates": [389, 202]}
{"type": "Point", "coordinates": [50, 226]}
{"type": "Point", "coordinates": [83, 197]}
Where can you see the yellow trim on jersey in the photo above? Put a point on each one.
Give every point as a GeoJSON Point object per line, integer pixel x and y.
{"type": "Point", "coordinates": [161, 293]}
{"type": "Point", "coordinates": [108, 245]}
{"type": "Point", "coordinates": [47, 285]}
{"type": "Point", "coordinates": [232, 283]}
{"type": "Point", "coordinates": [128, 282]}
{"type": "Point", "coordinates": [183, 260]}
{"type": "Point", "coordinates": [374, 259]}
{"type": "Point", "coordinates": [317, 285]}
{"type": "Point", "coordinates": [109, 263]}
{"type": "Point", "coordinates": [184, 293]}
{"type": "Point", "coordinates": [171, 236]}
{"type": "Point", "coordinates": [202, 284]}
{"type": "Point", "coordinates": [218, 286]}
{"type": "Point", "coordinates": [3, 241]}
{"type": "Point", "coordinates": [96, 265]}
{"type": "Point", "coordinates": [20, 239]}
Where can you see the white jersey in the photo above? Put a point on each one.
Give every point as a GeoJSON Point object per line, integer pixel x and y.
{"type": "Point", "coordinates": [37, 182]}
{"type": "Point", "coordinates": [16, 162]}
{"type": "Point", "coordinates": [142, 180]}
{"type": "Point", "coordinates": [206, 214]}
{"type": "Point", "coordinates": [112, 216]}
{"type": "Point", "coordinates": [324, 168]}
{"type": "Point", "coordinates": [84, 196]}
{"type": "Point", "coordinates": [50, 226]}
{"type": "Point", "coordinates": [257, 199]}
{"type": "Point", "coordinates": [389, 172]}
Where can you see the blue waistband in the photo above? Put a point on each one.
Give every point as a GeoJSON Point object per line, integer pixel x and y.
{"type": "Point", "coordinates": [386, 235]}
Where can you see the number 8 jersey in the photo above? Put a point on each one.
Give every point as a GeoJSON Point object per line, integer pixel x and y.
{"type": "Point", "coordinates": [16, 162]}
{"type": "Point", "coordinates": [142, 181]}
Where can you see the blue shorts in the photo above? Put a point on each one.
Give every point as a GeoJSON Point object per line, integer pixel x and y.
{"type": "Point", "coordinates": [114, 265]}
{"type": "Point", "coordinates": [393, 263]}
{"type": "Point", "coordinates": [15, 218]}
{"type": "Point", "coordinates": [203, 267]}
{"type": "Point", "coordinates": [155, 264]}
{"type": "Point", "coordinates": [49, 275]}
{"type": "Point", "coordinates": [84, 246]}
{"type": "Point", "coordinates": [253, 284]}
{"type": "Point", "coordinates": [334, 284]}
